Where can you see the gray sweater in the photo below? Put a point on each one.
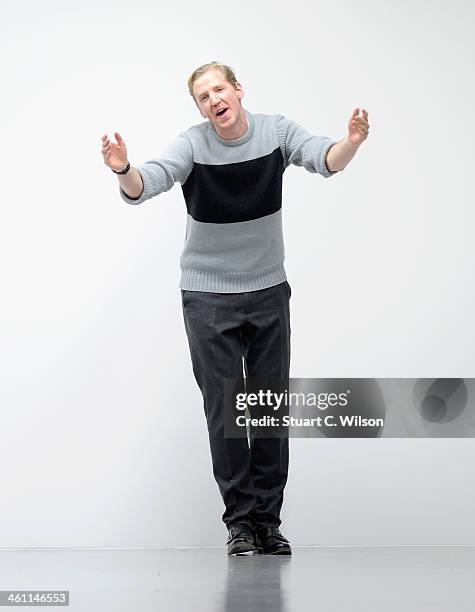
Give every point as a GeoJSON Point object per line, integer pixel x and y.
{"type": "Point", "coordinates": [233, 195]}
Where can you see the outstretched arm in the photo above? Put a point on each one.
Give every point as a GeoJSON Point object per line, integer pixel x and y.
{"type": "Point", "coordinates": [342, 152]}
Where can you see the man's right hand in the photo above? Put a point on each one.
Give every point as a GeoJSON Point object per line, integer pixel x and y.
{"type": "Point", "coordinates": [115, 155]}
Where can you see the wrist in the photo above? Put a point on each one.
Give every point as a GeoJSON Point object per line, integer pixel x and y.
{"type": "Point", "coordinates": [124, 170]}
{"type": "Point", "coordinates": [352, 144]}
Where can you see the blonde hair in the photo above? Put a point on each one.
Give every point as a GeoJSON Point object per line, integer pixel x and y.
{"type": "Point", "coordinates": [226, 70]}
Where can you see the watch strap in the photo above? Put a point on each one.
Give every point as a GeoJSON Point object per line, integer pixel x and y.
{"type": "Point", "coordinates": [124, 171]}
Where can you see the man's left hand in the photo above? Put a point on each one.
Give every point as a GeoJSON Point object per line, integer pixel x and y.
{"type": "Point", "coordinates": [358, 127]}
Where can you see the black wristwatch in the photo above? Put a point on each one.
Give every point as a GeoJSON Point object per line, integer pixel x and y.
{"type": "Point", "coordinates": [124, 171]}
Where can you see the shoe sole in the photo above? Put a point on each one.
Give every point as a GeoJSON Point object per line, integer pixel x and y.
{"type": "Point", "coordinates": [247, 553]}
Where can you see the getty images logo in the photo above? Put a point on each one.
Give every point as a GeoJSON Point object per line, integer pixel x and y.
{"type": "Point", "coordinates": [268, 398]}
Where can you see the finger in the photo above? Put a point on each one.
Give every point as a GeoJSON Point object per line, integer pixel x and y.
{"type": "Point", "coordinates": [365, 113]}
{"type": "Point", "coordinates": [103, 137]}
{"type": "Point", "coordinates": [359, 125]}
{"type": "Point", "coordinates": [355, 113]}
{"type": "Point", "coordinates": [362, 121]}
{"type": "Point", "coordinates": [118, 138]}
{"type": "Point", "coordinates": [359, 122]}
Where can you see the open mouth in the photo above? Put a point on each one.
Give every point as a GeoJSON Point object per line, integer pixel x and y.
{"type": "Point", "coordinates": [222, 113]}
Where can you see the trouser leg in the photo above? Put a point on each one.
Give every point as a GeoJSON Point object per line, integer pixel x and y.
{"type": "Point", "coordinates": [267, 332]}
{"type": "Point", "coordinates": [212, 324]}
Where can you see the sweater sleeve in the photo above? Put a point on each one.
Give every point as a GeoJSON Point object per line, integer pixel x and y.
{"type": "Point", "coordinates": [300, 148]}
{"type": "Point", "coordinates": [159, 175]}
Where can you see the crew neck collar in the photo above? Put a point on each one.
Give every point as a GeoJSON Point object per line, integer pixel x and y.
{"type": "Point", "coordinates": [233, 142]}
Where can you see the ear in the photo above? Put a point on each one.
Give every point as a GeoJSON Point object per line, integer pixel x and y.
{"type": "Point", "coordinates": [239, 90]}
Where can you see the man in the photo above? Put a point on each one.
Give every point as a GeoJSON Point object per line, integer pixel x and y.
{"type": "Point", "coordinates": [235, 292]}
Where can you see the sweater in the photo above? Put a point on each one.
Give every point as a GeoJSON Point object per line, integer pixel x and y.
{"type": "Point", "coordinates": [233, 193]}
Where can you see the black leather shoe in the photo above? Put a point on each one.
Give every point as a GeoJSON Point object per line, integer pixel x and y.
{"type": "Point", "coordinates": [241, 540]}
{"type": "Point", "coordinates": [270, 541]}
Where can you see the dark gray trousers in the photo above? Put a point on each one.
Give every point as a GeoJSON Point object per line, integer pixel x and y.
{"type": "Point", "coordinates": [222, 328]}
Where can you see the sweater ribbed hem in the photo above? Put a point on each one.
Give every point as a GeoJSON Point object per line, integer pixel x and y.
{"type": "Point", "coordinates": [232, 282]}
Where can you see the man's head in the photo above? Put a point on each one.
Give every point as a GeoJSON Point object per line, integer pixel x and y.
{"type": "Point", "coordinates": [214, 87]}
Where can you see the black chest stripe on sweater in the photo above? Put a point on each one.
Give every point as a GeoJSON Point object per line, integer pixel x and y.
{"type": "Point", "coordinates": [235, 192]}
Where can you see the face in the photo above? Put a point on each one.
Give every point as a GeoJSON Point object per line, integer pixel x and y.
{"type": "Point", "coordinates": [212, 93]}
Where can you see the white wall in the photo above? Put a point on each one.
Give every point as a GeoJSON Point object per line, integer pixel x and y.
{"type": "Point", "coordinates": [104, 440]}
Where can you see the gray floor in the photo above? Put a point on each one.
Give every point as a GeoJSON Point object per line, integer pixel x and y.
{"type": "Point", "coordinates": [194, 579]}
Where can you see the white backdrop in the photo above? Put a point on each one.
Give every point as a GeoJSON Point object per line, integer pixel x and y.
{"type": "Point", "coordinates": [104, 440]}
